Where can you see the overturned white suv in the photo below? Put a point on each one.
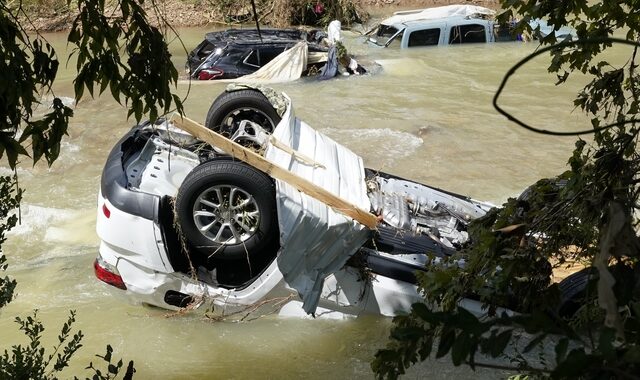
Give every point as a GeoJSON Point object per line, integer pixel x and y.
{"type": "Point", "coordinates": [187, 223]}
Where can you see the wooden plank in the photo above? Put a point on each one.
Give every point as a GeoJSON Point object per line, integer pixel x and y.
{"type": "Point", "coordinates": [252, 158]}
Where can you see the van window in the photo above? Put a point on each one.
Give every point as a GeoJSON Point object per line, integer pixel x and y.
{"type": "Point", "coordinates": [387, 35]}
{"type": "Point", "coordinates": [424, 37]}
{"type": "Point", "coordinates": [386, 31]}
{"type": "Point", "coordinates": [471, 33]}
{"type": "Point", "coordinates": [504, 33]}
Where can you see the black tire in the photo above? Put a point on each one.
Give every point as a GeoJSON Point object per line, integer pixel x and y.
{"type": "Point", "coordinates": [575, 290]}
{"type": "Point", "coordinates": [230, 108]}
{"type": "Point", "coordinates": [226, 211]}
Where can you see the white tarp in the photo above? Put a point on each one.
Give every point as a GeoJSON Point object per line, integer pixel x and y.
{"type": "Point", "coordinates": [438, 13]}
{"type": "Point", "coordinates": [286, 67]}
{"type": "Point", "coordinates": [316, 240]}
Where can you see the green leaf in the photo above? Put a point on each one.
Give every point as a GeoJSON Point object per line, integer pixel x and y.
{"type": "Point", "coordinates": [78, 86]}
{"type": "Point", "coordinates": [104, 82]}
{"type": "Point", "coordinates": [447, 339]}
{"type": "Point", "coordinates": [12, 148]}
{"type": "Point", "coordinates": [468, 321]}
{"type": "Point", "coordinates": [115, 92]}
{"type": "Point", "coordinates": [461, 348]}
{"type": "Point", "coordinates": [107, 356]}
{"type": "Point", "coordinates": [410, 333]}
{"type": "Point", "coordinates": [422, 311]}
{"type": "Point", "coordinates": [500, 343]}
{"type": "Point", "coordinates": [425, 349]}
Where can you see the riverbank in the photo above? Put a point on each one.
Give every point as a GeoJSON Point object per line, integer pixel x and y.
{"type": "Point", "coordinates": [53, 15]}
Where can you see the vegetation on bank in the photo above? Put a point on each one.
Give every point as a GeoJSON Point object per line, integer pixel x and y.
{"type": "Point", "coordinates": [55, 15]}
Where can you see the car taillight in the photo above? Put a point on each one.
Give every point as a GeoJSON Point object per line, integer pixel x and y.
{"type": "Point", "coordinates": [106, 211]}
{"type": "Point", "coordinates": [108, 273]}
{"type": "Point", "coordinates": [212, 73]}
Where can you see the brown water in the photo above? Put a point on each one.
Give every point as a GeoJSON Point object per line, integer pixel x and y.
{"type": "Point", "coordinates": [426, 116]}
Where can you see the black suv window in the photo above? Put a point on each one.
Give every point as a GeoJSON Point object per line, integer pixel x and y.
{"type": "Point", "coordinates": [204, 49]}
{"type": "Point", "coordinates": [253, 59]}
{"type": "Point", "coordinates": [262, 56]}
{"type": "Point", "coordinates": [462, 34]}
{"type": "Point", "coordinates": [269, 53]}
{"type": "Point", "coordinates": [424, 37]}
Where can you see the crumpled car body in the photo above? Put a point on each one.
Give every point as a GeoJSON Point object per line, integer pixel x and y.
{"type": "Point", "coordinates": [317, 260]}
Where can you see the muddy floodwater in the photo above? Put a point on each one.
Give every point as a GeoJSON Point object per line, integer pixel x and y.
{"type": "Point", "coordinates": [425, 115]}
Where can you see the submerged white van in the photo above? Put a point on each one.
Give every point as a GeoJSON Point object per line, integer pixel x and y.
{"type": "Point", "coordinates": [448, 25]}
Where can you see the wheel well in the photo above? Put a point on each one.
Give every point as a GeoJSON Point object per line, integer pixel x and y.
{"type": "Point", "coordinates": [230, 273]}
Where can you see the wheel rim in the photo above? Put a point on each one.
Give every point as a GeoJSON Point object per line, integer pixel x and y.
{"type": "Point", "coordinates": [226, 214]}
{"type": "Point", "coordinates": [231, 121]}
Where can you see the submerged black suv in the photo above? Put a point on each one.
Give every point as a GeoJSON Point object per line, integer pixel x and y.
{"type": "Point", "coordinates": [237, 52]}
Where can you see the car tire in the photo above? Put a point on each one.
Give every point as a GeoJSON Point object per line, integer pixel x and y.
{"type": "Point", "coordinates": [226, 210]}
{"type": "Point", "coordinates": [230, 108]}
{"type": "Point", "coordinates": [575, 290]}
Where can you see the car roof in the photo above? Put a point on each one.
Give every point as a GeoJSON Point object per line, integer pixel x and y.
{"type": "Point", "coordinates": [437, 15]}
{"type": "Point", "coordinates": [449, 20]}
{"type": "Point", "coordinates": [252, 36]}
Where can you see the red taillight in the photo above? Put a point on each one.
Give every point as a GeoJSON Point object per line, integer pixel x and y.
{"type": "Point", "coordinates": [211, 73]}
{"type": "Point", "coordinates": [109, 277]}
{"type": "Point", "coordinates": [106, 211]}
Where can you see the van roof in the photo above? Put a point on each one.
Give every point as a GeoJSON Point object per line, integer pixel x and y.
{"type": "Point", "coordinates": [439, 13]}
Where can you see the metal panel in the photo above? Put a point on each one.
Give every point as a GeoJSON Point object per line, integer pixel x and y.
{"type": "Point", "coordinates": [316, 240]}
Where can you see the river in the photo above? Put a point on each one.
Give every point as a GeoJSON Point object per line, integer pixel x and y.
{"type": "Point", "coordinates": [426, 116]}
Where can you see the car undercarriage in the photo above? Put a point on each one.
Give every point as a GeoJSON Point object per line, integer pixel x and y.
{"type": "Point", "coordinates": [183, 222]}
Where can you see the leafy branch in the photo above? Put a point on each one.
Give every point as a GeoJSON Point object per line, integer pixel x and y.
{"type": "Point", "coordinates": [145, 79]}
{"type": "Point", "coordinates": [120, 51]}
{"type": "Point", "coordinates": [11, 197]}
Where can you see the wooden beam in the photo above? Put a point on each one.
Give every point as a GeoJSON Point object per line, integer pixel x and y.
{"type": "Point", "coordinates": [252, 158]}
